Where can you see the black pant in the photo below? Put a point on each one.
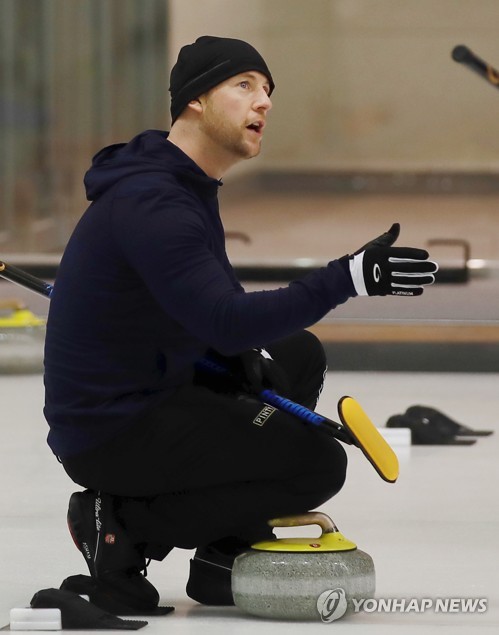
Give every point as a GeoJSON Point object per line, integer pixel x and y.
{"type": "Point", "coordinates": [205, 465]}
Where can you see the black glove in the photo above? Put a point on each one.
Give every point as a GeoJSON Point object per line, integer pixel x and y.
{"type": "Point", "coordinates": [259, 372]}
{"type": "Point", "coordinates": [385, 240]}
{"type": "Point", "coordinates": [379, 269]}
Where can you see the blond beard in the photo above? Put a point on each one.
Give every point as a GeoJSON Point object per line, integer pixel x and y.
{"type": "Point", "coordinates": [225, 135]}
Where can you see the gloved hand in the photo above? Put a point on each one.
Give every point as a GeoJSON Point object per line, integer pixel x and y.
{"type": "Point", "coordinates": [259, 372]}
{"type": "Point", "coordinates": [385, 240]}
{"type": "Point", "coordinates": [377, 268]}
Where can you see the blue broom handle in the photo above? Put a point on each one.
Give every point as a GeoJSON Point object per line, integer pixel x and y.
{"type": "Point", "coordinates": [270, 397]}
{"type": "Point", "coordinates": [291, 407]}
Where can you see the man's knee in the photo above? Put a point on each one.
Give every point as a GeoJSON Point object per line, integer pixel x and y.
{"type": "Point", "coordinates": [324, 469]}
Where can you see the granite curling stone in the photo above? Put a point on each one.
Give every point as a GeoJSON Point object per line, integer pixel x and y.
{"type": "Point", "coordinates": [22, 339]}
{"type": "Point", "coordinates": [303, 578]}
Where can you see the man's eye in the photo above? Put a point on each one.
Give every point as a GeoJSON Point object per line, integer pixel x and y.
{"type": "Point", "coordinates": [244, 84]}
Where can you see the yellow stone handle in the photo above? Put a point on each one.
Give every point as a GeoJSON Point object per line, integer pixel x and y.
{"type": "Point", "coordinates": [309, 518]}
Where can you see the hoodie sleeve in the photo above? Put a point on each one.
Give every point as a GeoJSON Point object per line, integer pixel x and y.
{"type": "Point", "coordinates": [164, 238]}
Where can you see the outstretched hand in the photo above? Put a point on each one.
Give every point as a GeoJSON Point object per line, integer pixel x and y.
{"type": "Point", "coordinates": [377, 268]}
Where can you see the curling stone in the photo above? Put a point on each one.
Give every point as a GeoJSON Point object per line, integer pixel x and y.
{"type": "Point", "coordinates": [22, 338]}
{"type": "Point", "coordinates": [303, 578]}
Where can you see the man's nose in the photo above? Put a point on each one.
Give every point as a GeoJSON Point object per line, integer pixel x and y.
{"type": "Point", "coordinates": [263, 100]}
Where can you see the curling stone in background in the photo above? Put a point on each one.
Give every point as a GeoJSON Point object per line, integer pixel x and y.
{"type": "Point", "coordinates": [22, 339]}
{"type": "Point", "coordinates": [303, 578]}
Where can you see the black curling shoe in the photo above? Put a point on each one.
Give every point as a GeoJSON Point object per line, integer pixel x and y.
{"type": "Point", "coordinates": [113, 561]}
{"type": "Point", "coordinates": [211, 572]}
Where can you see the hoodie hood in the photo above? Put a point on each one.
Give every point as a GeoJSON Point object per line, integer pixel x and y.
{"type": "Point", "coordinates": [149, 151]}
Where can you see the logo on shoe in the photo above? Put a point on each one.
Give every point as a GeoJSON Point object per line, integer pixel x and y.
{"type": "Point", "coordinates": [86, 551]}
{"type": "Point", "coordinates": [98, 507]}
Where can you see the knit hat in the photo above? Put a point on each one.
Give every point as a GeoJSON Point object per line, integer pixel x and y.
{"type": "Point", "coordinates": [208, 62]}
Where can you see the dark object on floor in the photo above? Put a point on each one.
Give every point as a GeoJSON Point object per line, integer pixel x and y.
{"type": "Point", "coordinates": [106, 597]}
{"type": "Point", "coordinates": [444, 423]}
{"type": "Point", "coordinates": [78, 614]}
{"type": "Point", "coordinates": [423, 433]}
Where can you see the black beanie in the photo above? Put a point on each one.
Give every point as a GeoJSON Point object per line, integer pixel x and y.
{"type": "Point", "coordinates": [207, 63]}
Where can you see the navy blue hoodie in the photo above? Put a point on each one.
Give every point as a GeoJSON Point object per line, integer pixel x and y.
{"type": "Point", "coordinates": [145, 287]}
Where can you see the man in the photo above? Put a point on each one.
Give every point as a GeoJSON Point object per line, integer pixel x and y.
{"type": "Point", "coordinates": [171, 455]}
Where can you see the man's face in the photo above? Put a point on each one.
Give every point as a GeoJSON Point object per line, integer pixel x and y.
{"type": "Point", "coordinates": [234, 114]}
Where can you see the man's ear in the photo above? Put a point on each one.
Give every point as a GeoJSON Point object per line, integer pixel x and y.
{"type": "Point", "coordinates": [195, 105]}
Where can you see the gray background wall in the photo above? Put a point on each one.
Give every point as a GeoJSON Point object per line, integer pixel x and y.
{"type": "Point", "coordinates": [365, 84]}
